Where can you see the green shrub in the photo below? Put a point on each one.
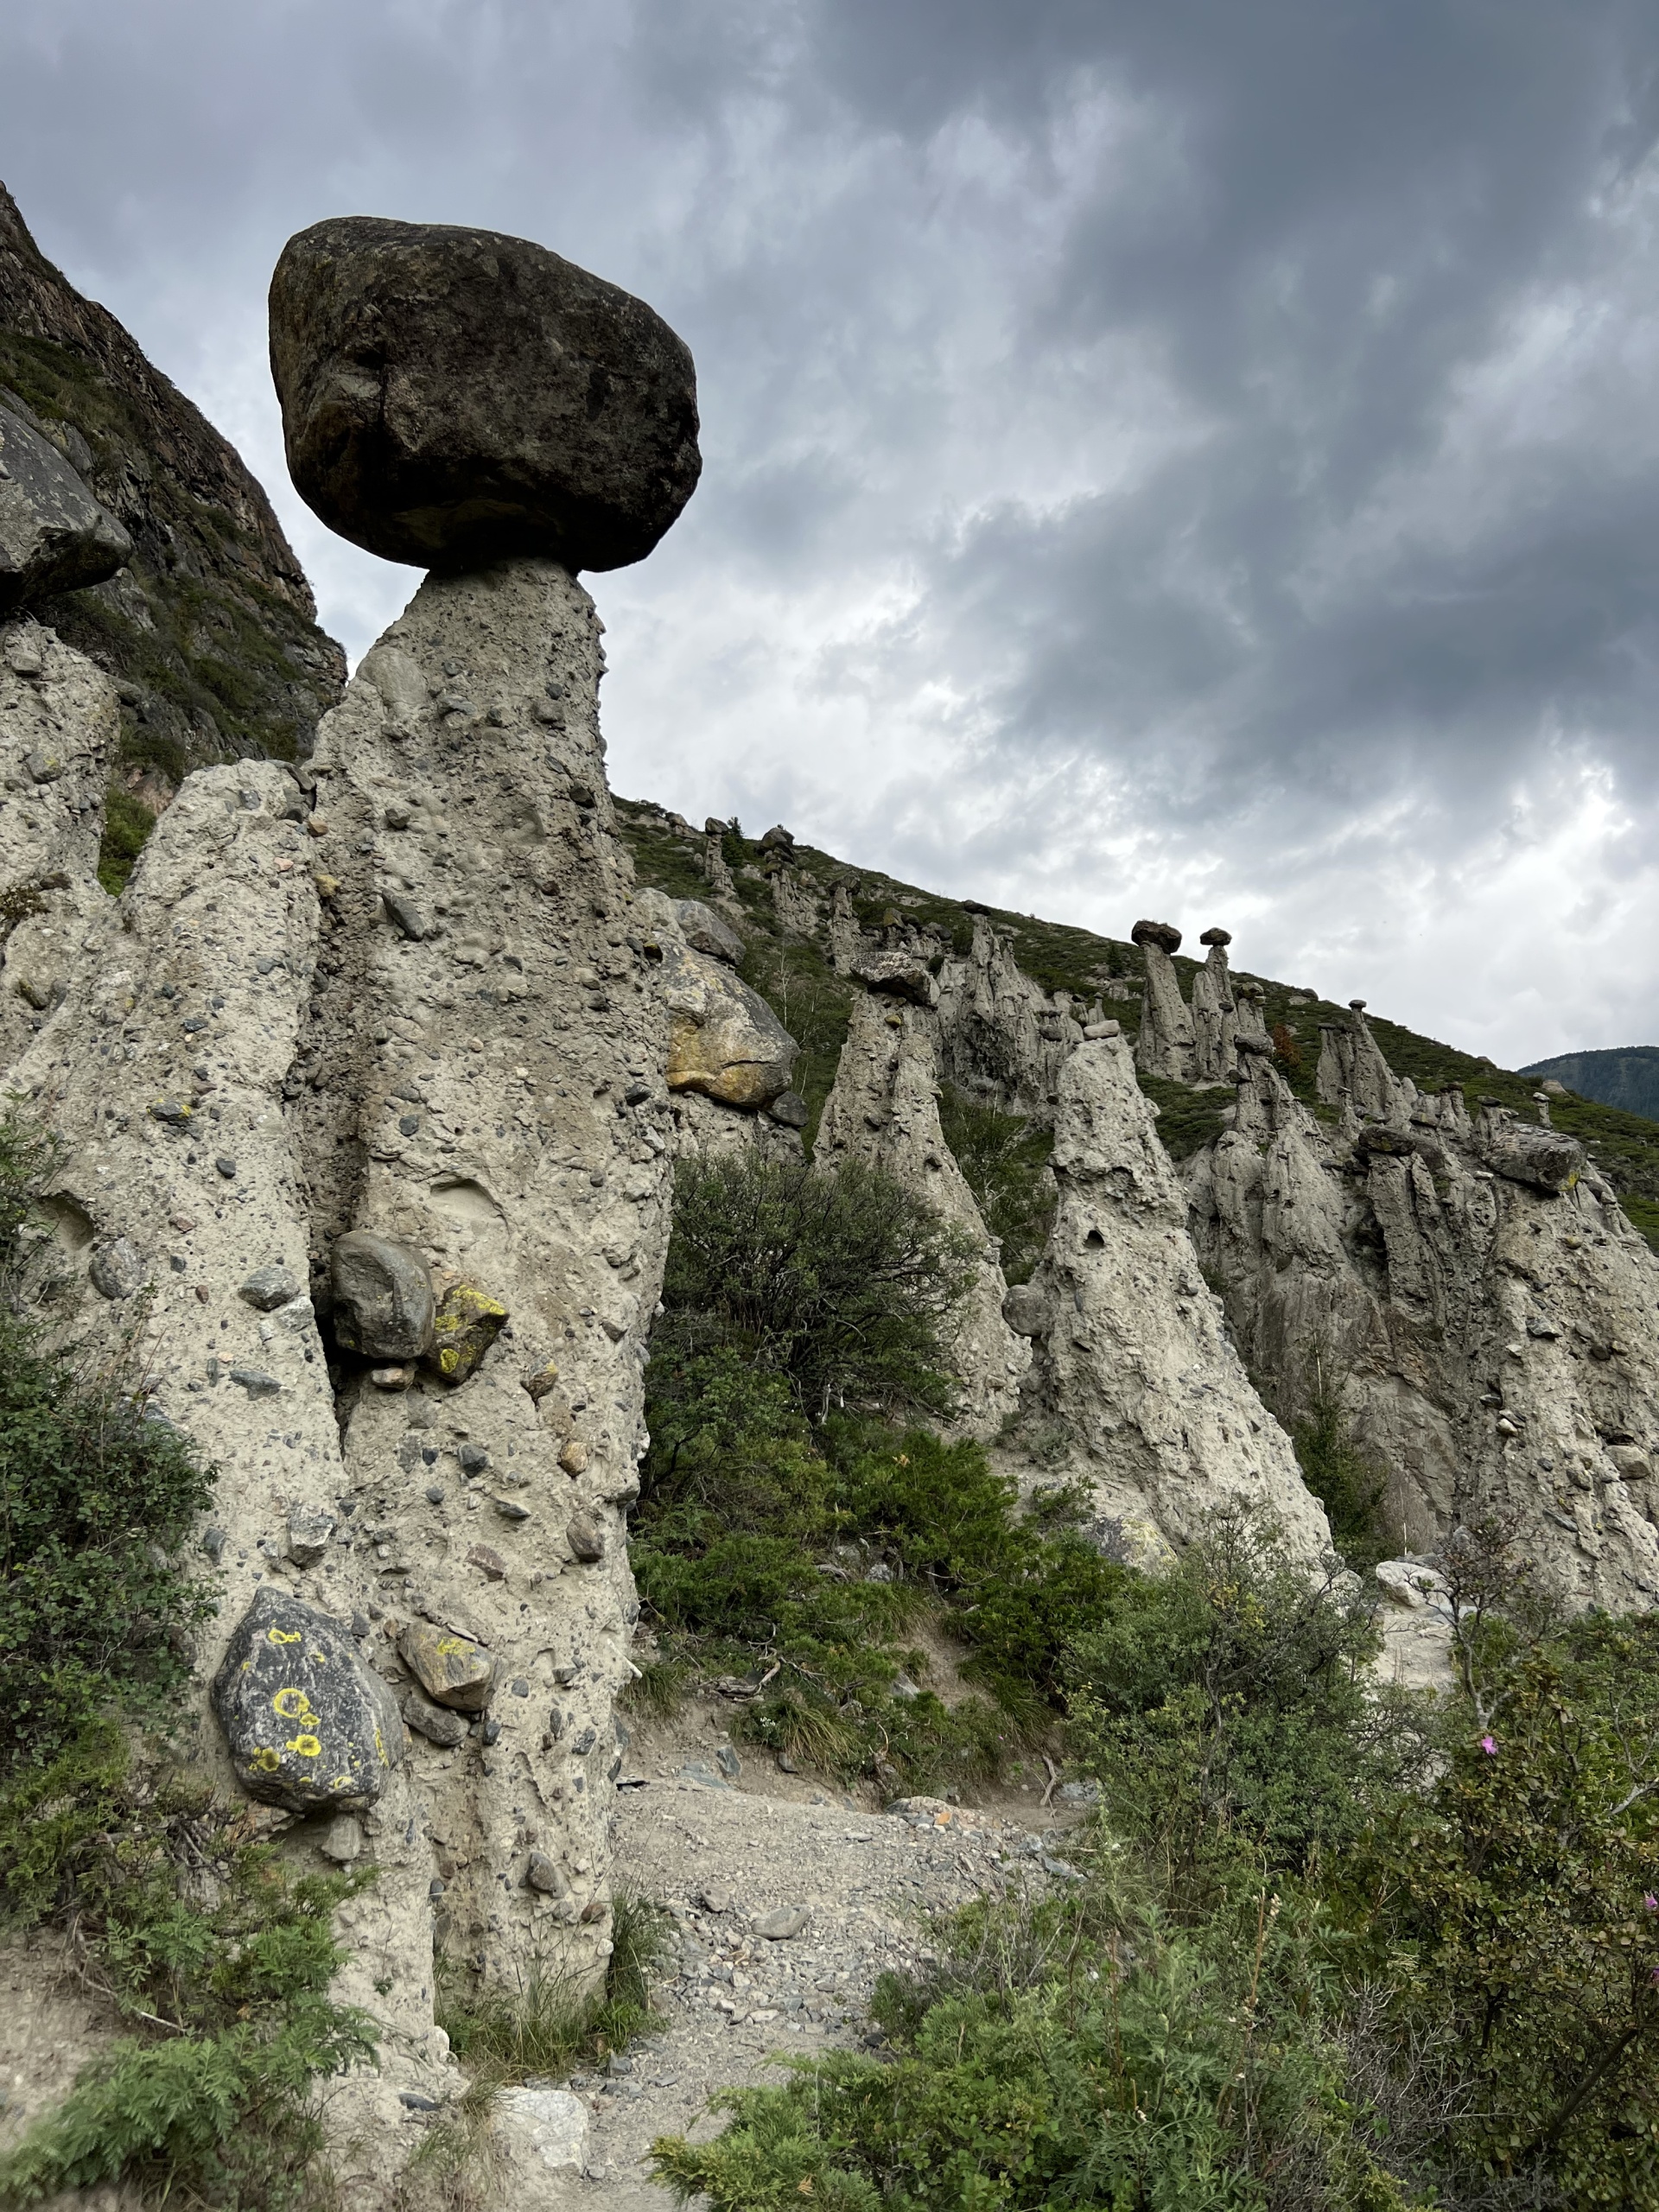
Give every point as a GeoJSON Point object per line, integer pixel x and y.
{"type": "Point", "coordinates": [97, 1496]}
{"type": "Point", "coordinates": [841, 1282]}
{"type": "Point", "coordinates": [1004, 1159]}
{"type": "Point", "coordinates": [1224, 1707]}
{"type": "Point", "coordinates": [1340, 1470]}
{"type": "Point", "coordinates": [127, 823]}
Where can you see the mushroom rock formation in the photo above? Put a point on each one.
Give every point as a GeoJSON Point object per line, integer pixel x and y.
{"type": "Point", "coordinates": [454, 396]}
{"type": "Point", "coordinates": [1215, 1016]}
{"type": "Point", "coordinates": [1165, 1044]}
{"type": "Point", "coordinates": [1489, 1317]}
{"type": "Point", "coordinates": [1138, 1366]}
{"type": "Point", "coordinates": [884, 1110]}
{"type": "Point", "coordinates": [713, 859]}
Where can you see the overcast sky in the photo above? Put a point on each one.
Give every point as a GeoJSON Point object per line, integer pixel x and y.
{"type": "Point", "coordinates": [1194, 458]}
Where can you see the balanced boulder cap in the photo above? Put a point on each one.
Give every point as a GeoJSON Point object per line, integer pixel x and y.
{"type": "Point", "coordinates": [453, 397]}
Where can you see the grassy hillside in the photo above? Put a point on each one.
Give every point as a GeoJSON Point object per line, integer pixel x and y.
{"type": "Point", "coordinates": [796, 979]}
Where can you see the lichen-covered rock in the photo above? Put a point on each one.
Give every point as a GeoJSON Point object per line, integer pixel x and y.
{"type": "Point", "coordinates": [308, 1725]}
{"type": "Point", "coordinates": [726, 1041]}
{"type": "Point", "coordinates": [384, 1307]}
{"type": "Point", "coordinates": [452, 1668]}
{"type": "Point", "coordinates": [455, 396]}
{"type": "Point", "coordinates": [465, 1324]}
{"type": "Point", "coordinates": [53, 535]}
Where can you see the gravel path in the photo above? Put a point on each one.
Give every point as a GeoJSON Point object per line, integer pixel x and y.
{"type": "Point", "coordinates": [727, 1861]}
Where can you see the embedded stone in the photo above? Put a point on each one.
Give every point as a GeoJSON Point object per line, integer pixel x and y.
{"type": "Point", "coordinates": [451, 1668]}
{"type": "Point", "coordinates": [726, 1040]}
{"type": "Point", "coordinates": [465, 1323]}
{"type": "Point", "coordinates": [384, 1306]}
{"type": "Point", "coordinates": [543, 1874]}
{"type": "Point", "coordinates": [309, 1528]}
{"type": "Point", "coordinates": [437, 1725]}
{"type": "Point", "coordinates": [270, 1287]}
{"type": "Point", "coordinates": [705, 930]}
{"type": "Point", "coordinates": [790, 1110]}
{"type": "Point", "coordinates": [573, 1457]}
{"type": "Point", "coordinates": [118, 1269]}
{"type": "Point", "coordinates": [309, 1727]}
{"type": "Point", "coordinates": [455, 396]}
{"type": "Point", "coordinates": [53, 535]}
{"type": "Point", "coordinates": [585, 1539]}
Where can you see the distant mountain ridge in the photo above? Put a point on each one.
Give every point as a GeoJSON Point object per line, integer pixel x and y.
{"type": "Point", "coordinates": [1626, 1076]}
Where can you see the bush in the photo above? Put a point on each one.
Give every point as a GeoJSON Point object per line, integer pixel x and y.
{"type": "Point", "coordinates": [842, 1282]}
{"type": "Point", "coordinates": [127, 825]}
{"type": "Point", "coordinates": [1004, 1159]}
{"type": "Point", "coordinates": [97, 1497]}
{"type": "Point", "coordinates": [1339, 1471]}
{"type": "Point", "coordinates": [1224, 1706]}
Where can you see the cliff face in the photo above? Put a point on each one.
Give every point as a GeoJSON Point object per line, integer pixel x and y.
{"type": "Point", "coordinates": [210, 631]}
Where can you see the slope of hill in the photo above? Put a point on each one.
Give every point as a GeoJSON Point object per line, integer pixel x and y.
{"type": "Point", "coordinates": [1626, 1076]}
{"type": "Point", "coordinates": [790, 970]}
{"type": "Point", "coordinates": [212, 631]}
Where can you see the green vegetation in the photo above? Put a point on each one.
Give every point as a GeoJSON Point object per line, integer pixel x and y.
{"type": "Point", "coordinates": [1004, 1159]}
{"type": "Point", "coordinates": [1338, 1469]}
{"type": "Point", "coordinates": [1324, 1953]}
{"type": "Point", "coordinates": [813, 1003]}
{"type": "Point", "coordinates": [547, 2027]}
{"type": "Point", "coordinates": [793, 1532]}
{"type": "Point", "coordinates": [127, 822]}
{"type": "Point", "coordinates": [216, 1957]}
{"type": "Point", "coordinates": [1187, 1119]}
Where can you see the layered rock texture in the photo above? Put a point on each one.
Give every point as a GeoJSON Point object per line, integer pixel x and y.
{"type": "Point", "coordinates": [209, 627]}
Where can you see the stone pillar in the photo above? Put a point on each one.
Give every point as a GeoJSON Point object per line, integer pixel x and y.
{"type": "Point", "coordinates": [1165, 1047]}
{"type": "Point", "coordinates": [1215, 1017]}
{"type": "Point", "coordinates": [714, 858]}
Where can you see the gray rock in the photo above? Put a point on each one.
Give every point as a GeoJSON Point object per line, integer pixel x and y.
{"type": "Point", "coordinates": [343, 1839]}
{"type": "Point", "coordinates": [118, 1269]}
{"type": "Point", "coordinates": [435, 1722]}
{"type": "Point", "coordinates": [790, 1110]}
{"type": "Point", "coordinates": [543, 1874]}
{"type": "Point", "coordinates": [452, 396]}
{"type": "Point", "coordinates": [451, 1667]}
{"type": "Point", "coordinates": [728, 1762]}
{"type": "Point", "coordinates": [545, 2129]}
{"type": "Point", "coordinates": [585, 1539]}
{"type": "Point", "coordinates": [703, 1774]}
{"type": "Point", "coordinates": [309, 1727]}
{"type": "Point", "coordinates": [705, 930]}
{"type": "Point", "coordinates": [900, 974]}
{"type": "Point", "coordinates": [256, 1382]}
{"type": "Point", "coordinates": [1025, 1310]}
{"type": "Point", "coordinates": [309, 1528]}
{"type": "Point", "coordinates": [383, 1302]}
{"type": "Point", "coordinates": [53, 535]}
{"type": "Point", "coordinates": [1543, 1159]}
{"type": "Point", "coordinates": [778, 1927]}
{"type": "Point", "coordinates": [270, 1287]}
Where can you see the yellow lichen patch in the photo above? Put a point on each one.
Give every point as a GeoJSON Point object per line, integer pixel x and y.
{"type": "Point", "coordinates": [266, 1760]}
{"type": "Point", "coordinates": [464, 1325]}
{"type": "Point", "coordinates": [292, 1705]}
{"type": "Point", "coordinates": [307, 1746]}
{"type": "Point", "coordinates": [282, 1635]}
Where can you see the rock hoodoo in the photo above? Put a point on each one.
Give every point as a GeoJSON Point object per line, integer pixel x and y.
{"type": "Point", "coordinates": [451, 397]}
{"type": "Point", "coordinates": [1165, 1047]}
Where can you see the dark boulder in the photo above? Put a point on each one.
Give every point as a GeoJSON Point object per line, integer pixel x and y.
{"type": "Point", "coordinates": [1165, 934]}
{"type": "Point", "coordinates": [309, 1727]}
{"type": "Point", "coordinates": [455, 397]}
{"type": "Point", "coordinates": [384, 1305]}
{"type": "Point", "coordinates": [53, 535]}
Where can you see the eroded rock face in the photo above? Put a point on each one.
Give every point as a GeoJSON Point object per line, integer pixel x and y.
{"type": "Point", "coordinates": [1165, 1045]}
{"type": "Point", "coordinates": [309, 1727]}
{"type": "Point", "coordinates": [53, 535]}
{"type": "Point", "coordinates": [454, 396]}
{"type": "Point", "coordinates": [1135, 1362]}
{"type": "Point", "coordinates": [1495, 1336]}
{"type": "Point", "coordinates": [1000, 1034]}
{"type": "Point", "coordinates": [884, 1110]}
{"type": "Point", "coordinates": [726, 1040]}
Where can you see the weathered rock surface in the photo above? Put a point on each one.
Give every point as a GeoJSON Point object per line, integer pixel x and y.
{"type": "Point", "coordinates": [212, 592]}
{"type": "Point", "coordinates": [451, 1668]}
{"type": "Point", "coordinates": [383, 1306]}
{"type": "Point", "coordinates": [1136, 1363]}
{"type": "Point", "coordinates": [1000, 1036]}
{"type": "Point", "coordinates": [308, 1725]}
{"type": "Point", "coordinates": [1165, 1045]}
{"type": "Point", "coordinates": [726, 1040]}
{"type": "Point", "coordinates": [453, 397]}
{"type": "Point", "coordinates": [884, 1110]}
{"type": "Point", "coordinates": [705, 930]}
{"type": "Point", "coordinates": [1494, 1336]}
{"type": "Point", "coordinates": [53, 535]}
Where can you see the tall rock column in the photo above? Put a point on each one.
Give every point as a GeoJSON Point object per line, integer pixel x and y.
{"type": "Point", "coordinates": [1165, 1047]}
{"type": "Point", "coordinates": [884, 1110]}
{"type": "Point", "coordinates": [1215, 1017]}
{"type": "Point", "coordinates": [1134, 1359]}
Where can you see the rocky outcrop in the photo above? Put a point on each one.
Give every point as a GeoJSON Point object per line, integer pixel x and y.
{"type": "Point", "coordinates": [1134, 1366]}
{"type": "Point", "coordinates": [53, 535]}
{"type": "Point", "coordinates": [713, 859]}
{"type": "Point", "coordinates": [1352, 1062]}
{"type": "Point", "coordinates": [884, 1110]}
{"type": "Point", "coordinates": [210, 627]}
{"type": "Point", "coordinates": [450, 396]}
{"type": "Point", "coordinates": [1165, 1044]}
{"type": "Point", "coordinates": [1000, 1036]}
{"type": "Point", "coordinates": [59, 726]}
{"type": "Point", "coordinates": [1488, 1316]}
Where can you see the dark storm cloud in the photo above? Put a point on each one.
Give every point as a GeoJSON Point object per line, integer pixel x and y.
{"type": "Point", "coordinates": [1155, 449]}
